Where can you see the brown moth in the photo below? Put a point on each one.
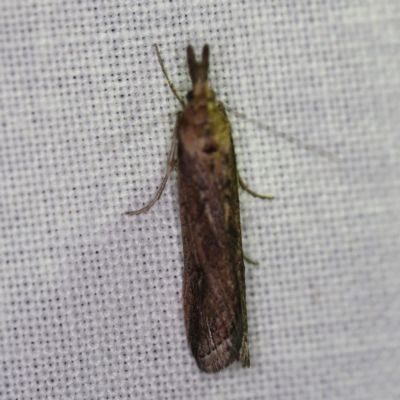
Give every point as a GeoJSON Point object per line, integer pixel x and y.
{"type": "Point", "coordinates": [214, 292]}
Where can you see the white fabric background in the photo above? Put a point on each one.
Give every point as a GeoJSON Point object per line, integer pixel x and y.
{"type": "Point", "coordinates": [91, 299]}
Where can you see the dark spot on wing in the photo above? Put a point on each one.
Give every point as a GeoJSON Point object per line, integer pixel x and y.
{"type": "Point", "coordinates": [211, 146]}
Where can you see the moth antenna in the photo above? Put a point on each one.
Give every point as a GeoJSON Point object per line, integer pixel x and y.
{"type": "Point", "coordinates": [291, 139]}
{"type": "Point", "coordinates": [169, 80]}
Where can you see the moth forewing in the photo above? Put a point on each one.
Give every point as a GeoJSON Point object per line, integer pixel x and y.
{"type": "Point", "coordinates": [213, 286]}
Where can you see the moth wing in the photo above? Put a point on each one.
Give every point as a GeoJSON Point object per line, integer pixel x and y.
{"type": "Point", "coordinates": [214, 288]}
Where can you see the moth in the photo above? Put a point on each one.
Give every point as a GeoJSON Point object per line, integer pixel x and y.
{"type": "Point", "coordinates": [214, 291]}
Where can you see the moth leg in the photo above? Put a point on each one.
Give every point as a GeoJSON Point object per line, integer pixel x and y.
{"type": "Point", "coordinates": [169, 80]}
{"type": "Point", "coordinates": [170, 167]}
{"type": "Point", "coordinates": [255, 194]}
{"type": "Point", "coordinates": [249, 260]}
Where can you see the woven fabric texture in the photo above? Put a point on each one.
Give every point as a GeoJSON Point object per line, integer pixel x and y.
{"type": "Point", "coordinates": [90, 300]}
